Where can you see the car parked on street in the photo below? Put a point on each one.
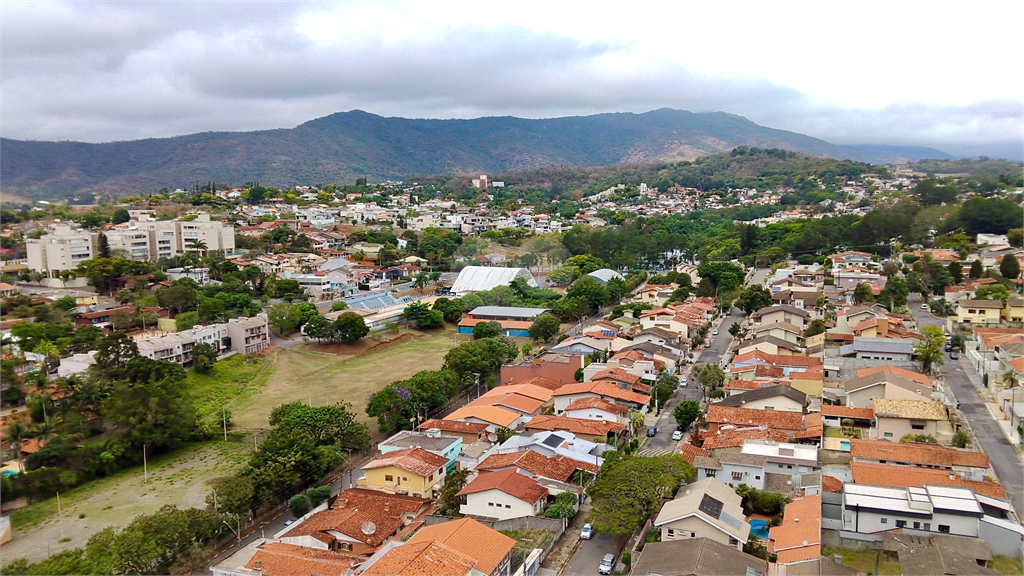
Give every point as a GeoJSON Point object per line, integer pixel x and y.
{"type": "Point", "coordinates": [677, 435]}
{"type": "Point", "coordinates": [651, 431]}
{"type": "Point", "coordinates": [954, 355]}
{"type": "Point", "coordinates": [683, 382]}
{"type": "Point", "coordinates": [714, 332]}
{"type": "Point", "coordinates": [587, 533]}
{"type": "Point", "coordinates": [607, 564]}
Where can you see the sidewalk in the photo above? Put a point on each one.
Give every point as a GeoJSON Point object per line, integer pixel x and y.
{"type": "Point", "coordinates": [564, 550]}
{"type": "Point", "coordinates": [993, 407]}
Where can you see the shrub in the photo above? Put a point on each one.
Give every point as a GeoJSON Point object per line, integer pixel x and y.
{"type": "Point", "coordinates": [299, 505]}
{"type": "Point", "coordinates": [318, 495]}
{"type": "Point", "coordinates": [627, 558]}
{"type": "Point", "coordinates": [961, 439]}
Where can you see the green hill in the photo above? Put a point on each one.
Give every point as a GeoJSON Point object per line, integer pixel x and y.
{"type": "Point", "coordinates": [341, 147]}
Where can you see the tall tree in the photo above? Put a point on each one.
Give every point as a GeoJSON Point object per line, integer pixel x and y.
{"type": "Point", "coordinates": [1009, 266]}
{"type": "Point", "coordinates": [956, 270]}
{"type": "Point", "coordinates": [977, 269]}
{"type": "Point", "coordinates": [929, 351]}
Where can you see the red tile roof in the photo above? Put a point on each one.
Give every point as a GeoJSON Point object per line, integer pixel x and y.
{"type": "Point", "coordinates": [510, 482]}
{"type": "Point", "coordinates": [489, 547]}
{"type": "Point", "coordinates": [427, 558]}
{"type": "Point", "coordinates": [617, 374]}
{"type": "Point", "coordinates": [556, 467]}
{"type": "Point", "coordinates": [352, 510]}
{"type": "Point", "coordinates": [279, 559]}
{"type": "Point", "coordinates": [454, 426]}
{"type": "Point", "coordinates": [577, 426]}
{"type": "Point", "coordinates": [487, 413]}
{"type": "Point", "coordinates": [415, 460]}
{"type": "Point", "coordinates": [900, 476]}
{"type": "Point", "coordinates": [599, 403]}
{"type": "Point", "coordinates": [913, 453]}
{"type": "Point", "coordinates": [689, 452]}
{"type": "Point", "coordinates": [831, 483]}
{"type": "Point", "coordinates": [542, 382]}
{"type": "Point", "coordinates": [846, 411]}
{"type": "Point", "coordinates": [603, 388]}
{"type": "Point", "coordinates": [798, 538]}
{"type": "Point", "coordinates": [724, 415]}
{"type": "Point", "coordinates": [908, 374]}
{"type": "Point", "coordinates": [733, 438]}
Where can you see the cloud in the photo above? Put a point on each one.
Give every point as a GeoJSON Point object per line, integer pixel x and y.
{"type": "Point", "coordinates": [111, 71]}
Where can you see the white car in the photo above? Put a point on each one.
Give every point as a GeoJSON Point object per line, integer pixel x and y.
{"type": "Point", "coordinates": [924, 306]}
{"type": "Point", "coordinates": [683, 382]}
{"type": "Point", "coordinates": [587, 533]}
{"type": "Point", "coordinates": [714, 332]}
{"type": "Point", "coordinates": [677, 435]}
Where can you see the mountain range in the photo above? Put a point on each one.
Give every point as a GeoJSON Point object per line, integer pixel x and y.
{"type": "Point", "coordinates": [347, 145]}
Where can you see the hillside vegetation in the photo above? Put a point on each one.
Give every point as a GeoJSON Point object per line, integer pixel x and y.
{"type": "Point", "coordinates": [344, 146]}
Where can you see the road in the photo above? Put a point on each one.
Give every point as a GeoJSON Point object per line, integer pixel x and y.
{"type": "Point", "coordinates": [1004, 458]}
{"type": "Point", "coordinates": [590, 552]}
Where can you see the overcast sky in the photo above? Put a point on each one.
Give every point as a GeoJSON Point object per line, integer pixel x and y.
{"type": "Point", "coordinates": [931, 74]}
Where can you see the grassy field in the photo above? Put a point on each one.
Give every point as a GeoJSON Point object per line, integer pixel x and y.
{"type": "Point", "coordinates": [863, 560]}
{"type": "Point", "coordinates": [233, 381]}
{"type": "Point", "coordinates": [1007, 565]}
{"type": "Point", "coordinates": [323, 375]}
{"type": "Point", "coordinates": [180, 479]}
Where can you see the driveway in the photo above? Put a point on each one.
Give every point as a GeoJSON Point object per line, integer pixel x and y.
{"type": "Point", "coordinates": [590, 552]}
{"type": "Point", "coordinates": [958, 375]}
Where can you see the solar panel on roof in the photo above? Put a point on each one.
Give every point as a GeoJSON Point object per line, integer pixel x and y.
{"type": "Point", "coordinates": [553, 441]}
{"type": "Point", "coordinates": [710, 506]}
{"type": "Point", "coordinates": [729, 520]}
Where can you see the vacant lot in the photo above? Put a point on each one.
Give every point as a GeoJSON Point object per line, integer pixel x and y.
{"type": "Point", "coordinates": [179, 479]}
{"type": "Point", "coordinates": [325, 374]}
{"type": "Point", "coordinates": [863, 560]}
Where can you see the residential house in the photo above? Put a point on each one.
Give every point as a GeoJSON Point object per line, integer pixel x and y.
{"type": "Point", "coordinates": [897, 418]}
{"type": "Point", "coordinates": [970, 464]}
{"type": "Point", "coordinates": [983, 312]}
{"type": "Point", "coordinates": [834, 416]}
{"type": "Point", "coordinates": [580, 427]}
{"type": "Point", "coordinates": [730, 418]}
{"type": "Point", "coordinates": [861, 391]}
{"type": "Point", "coordinates": [553, 443]}
{"type": "Point", "coordinates": [462, 547]}
{"type": "Point", "coordinates": [696, 557]}
{"type": "Point", "coordinates": [782, 330]}
{"type": "Point", "coordinates": [733, 468]}
{"type": "Point", "coordinates": [502, 495]}
{"type": "Point", "coordinates": [266, 557]}
{"type": "Point", "coordinates": [932, 509]}
{"type": "Point", "coordinates": [493, 416]}
{"type": "Point", "coordinates": [434, 442]}
{"type": "Point", "coordinates": [789, 463]}
{"type": "Point", "coordinates": [412, 471]}
{"type": "Point", "coordinates": [883, 349]}
{"type": "Point", "coordinates": [593, 408]}
{"type": "Point", "coordinates": [938, 554]}
{"type": "Point", "coordinates": [470, 432]}
{"type": "Point", "coordinates": [345, 525]}
{"type": "Point", "coordinates": [848, 259]}
{"type": "Point", "coordinates": [530, 462]}
{"type": "Point", "coordinates": [900, 476]}
{"type": "Point", "coordinates": [784, 398]}
{"type": "Point", "coordinates": [559, 368]}
{"type": "Point", "coordinates": [798, 317]}
{"type": "Point", "coordinates": [705, 509]}
{"type": "Point", "coordinates": [798, 539]}
{"type": "Point", "coordinates": [908, 374]}
{"type": "Point", "coordinates": [1013, 310]}
{"type": "Point", "coordinates": [567, 394]}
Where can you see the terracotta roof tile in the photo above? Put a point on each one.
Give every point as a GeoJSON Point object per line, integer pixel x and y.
{"type": "Point", "coordinates": [525, 389]}
{"type": "Point", "coordinates": [798, 538]}
{"type": "Point", "coordinates": [453, 426]}
{"type": "Point", "coordinates": [510, 482]}
{"type": "Point", "coordinates": [428, 558]}
{"type": "Point", "coordinates": [606, 389]}
{"type": "Point", "coordinates": [469, 537]}
{"type": "Point", "coordinates": [724, 415]}
{"type": "Point", "coordinates": [512, 400]}
{"type": "Point", "coordinates": [577, 426]}
{"type": "Point", "coordinates": [689, 452]}
{"type": "Point", "coordinates": [599, 403]}
{"type": "Point", "coordinates": [846, 411]}
{"type": "Point", "coordinates": [913, 453]}
{"type": "Point", "coordinates": [908, 374]}
{"type": "Point", "coordinates": [542, 382]}
{"type": "Point", "coordinates": [733, 438]}
{"type": "Point", "coordinates": [556, 467]}
{"type": "Point", "coordinates": [491, 414]}
{"type": "Point", "coordinates": [279, 559]}
{"type": "Point", "coordinates": [831, 483]}
{"type": "Point", "coordinates": [415, 460]}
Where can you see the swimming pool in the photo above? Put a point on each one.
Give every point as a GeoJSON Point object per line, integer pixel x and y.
{"type": "Point", "coordinates": [759, 528]}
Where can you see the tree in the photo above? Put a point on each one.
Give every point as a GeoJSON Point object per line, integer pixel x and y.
{"type": "Point", "coordinates": [449, 501]}
{"type": "Point", "coordinates": [862, 293]}
{"type": "Point", "coordinates": [1015, 236]}
{"type": "Point", "coordinates": [155, 411]}
{"type": "Point", "coordinates": [299, 505]}
{"type": "Point", "coordinates": [586, 263]}
{"type": "Point", "coordinates": [120, 216]}
{"type": "Point", "coordinates": [204, 355]}
{"type": "Point", "coordinates": [628, 490]}
{"type": "Point", "coordinates": [544, 327]}
{"type": "Point", "coordinates": [103, 246]}
{"type": "Point", "coordinates": [1009, 267]}
{"type": "Point", "coordinates": [992, 292]}
{"type": "Point", "coordinates": [283, 318]}
{"type": "Point", "coordinates": [564, 506]}
{"type": "Point", "coordinates": [338, 305]}
{"type": "Point", "coordinates": [895, 293]}
{"type": "Point", "coordinates": [710, 377]}
{"type": "Point", "coordinates": [422, 316]}
{"type": "Point", "coordinates": [450, 308]}
{"type": "Point", "coordinates": [319, 327]}
{"type": "Point", "coordinates": [487, 330]}
{"type": "Point", "coordinates": [114, 353]}
{"type": "Point", "coordinates": [504, 434]}
{"type": "Point", "coordinates": [590, 290]}
{"type": "Point", "coordinates": [956, 271]}
{"type": "Point", "coordinates": [233, 495]}
{"type": "Point", "coordinates": [180, 296]}
{"type": "Point", "coordinates": [735, 329]}
{"type": "Point", "coordinates": [816, 327]}
{"type": "Point", "coordinates": [47, 349]}
{"type": "Point", "coordinates": [17, 433]}
{"type": "Point", "coordinates": [977, 269]}
{"type": "Point", "coordinates": [754, 298]}
{"type": "Point", "coordinates": [349, 327]}
{"type": "Point", "coordinates": [961, 439]}
{"type": "Point", "coordinates": [686, 412]}
{"type": "Point", "coordinates": [929, 351]}
{"type": "Point", "coordinates": [66, 303]}
{"type": "Point", "coordinates": [334, 424]}
{"type": "Point", "coordinates": [562, 276]}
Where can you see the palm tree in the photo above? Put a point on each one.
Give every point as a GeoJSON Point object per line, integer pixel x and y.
{"type": "Point", "coordinates": [198, 245]}
{"type": "Point", "coordinates": [17, 433]}
{"type": "Point", "coordinates": [41, 383]}
{"type": "Point", "coordinates": [421, 280]}
{"type": "Point", "coordinates": [47, 349]}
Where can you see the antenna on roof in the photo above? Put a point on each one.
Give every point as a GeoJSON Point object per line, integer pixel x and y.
{"type": "Point", "coordinates": [368, 528]}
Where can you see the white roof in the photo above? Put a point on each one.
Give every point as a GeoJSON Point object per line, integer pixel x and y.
{"type": "Point", "coordinates": [604, 275]}
{"type": "Point", "coordinates": [483, 278]}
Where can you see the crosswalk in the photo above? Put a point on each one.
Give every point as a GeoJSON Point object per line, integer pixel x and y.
{"type": "Point", "coordinates": [653, 452]}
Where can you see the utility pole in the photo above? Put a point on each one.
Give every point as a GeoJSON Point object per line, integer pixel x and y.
{"type": "Point", "coordinates": [224, 415]}
{"type": "Point", "coordinates": [145, 466]}
{"type": "Point", "coordinates": [60, 517]}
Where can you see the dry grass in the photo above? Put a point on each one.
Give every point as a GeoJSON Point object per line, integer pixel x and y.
{"type": "Point", "coordinates": [864, 560]}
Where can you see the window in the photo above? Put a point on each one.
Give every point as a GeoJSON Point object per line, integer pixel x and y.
{"type": "Point", "coordinates": [490, 503]}
{"type": "Point", "coordinates": [345, 546]}
{"type": "Point", "coordinates": [917, 525]}
{"type": "Point", "coordinates": [901, 523]}
{"type": "Point", "coordinates": [756, 477]}
{"type": "Point", "coordinates": [789, 466]}
{"type": "Point", "coordinates": [944, 528]}
{"type": "Point", "coordinates": [431, 477]}
{"type": "Point", "coordinates": [389, 478]}
{"type": "Point", "coordinates": [440, 471]}
{"type": "Point", "coordinates": [404, 479]}
{"type": "Point", "coordinates": [927, 526]}
{"type": "Point", "coordinates": [888, 434]}
{"type": "Point", "coordinates": [883, 520]}
{"type": "Point", "coordinates": [671, 533]}
{"type": "Point", "coordinates": [508, 505]}
{"type": "Point", "coordinates": [693, 534]}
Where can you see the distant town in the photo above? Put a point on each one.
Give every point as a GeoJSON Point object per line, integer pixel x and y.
{"type": "Point", "coordinates": [469, 376]}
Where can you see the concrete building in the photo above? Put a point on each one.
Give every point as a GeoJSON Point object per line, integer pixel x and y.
{"type": "Point", "coordinates": [62, 249]}
{"type": "Point", "coordinates": [705, 509]}
{"type": "Point", "coordinates": [249, 335]}
{"type": "Point", "coordinates": [897, 418]}
{"type": "Point", "coordinates": [150, 240]}
{"type": "Point", "coordinates": [503, 495]}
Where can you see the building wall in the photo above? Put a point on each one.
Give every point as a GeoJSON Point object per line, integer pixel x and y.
{"type": "Point", "coordinates": [685, 528]}
{"type": "Point", "coordinates": [779, 403]}
{"type": "Point", "coordinates": [862, 398]}
{"type": "Point", "coordinates": [978, 315]}
{"type": "Point", "coordinates": [895, 428]}
{"type": "Point", "coordinates": [497, 504]}
{"type": "Point", "coordinates": [807, 386]}
{"type": "Point", "coordinates": [402, 480]}
{"type": "Point", "coordinates": [593, 414]}
{"type": "Point", "coordinates": [736, 474]}
{"type": "Point", "coordinates": [871, 522]}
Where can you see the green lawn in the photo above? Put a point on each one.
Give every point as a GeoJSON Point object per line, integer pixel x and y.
{"type": "Point", "coordinates": [232, 381]}
{"type": "Point", "coordinates": [1007, 565]}
{"type": "Point", "coordinates": [864, 560]}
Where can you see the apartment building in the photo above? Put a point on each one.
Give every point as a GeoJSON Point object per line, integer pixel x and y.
{"type": "Point", "coordinates": [64, 248]}
{"type": "Point", "coordinates": [150, 240]}
{"type": "Point", "coordinates": [249, 335]}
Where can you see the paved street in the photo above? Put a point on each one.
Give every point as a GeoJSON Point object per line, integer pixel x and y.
{"type": "Point", "coordinates": [588, 555]}
{"type": "Point", "coordinates": [1005, 460]}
